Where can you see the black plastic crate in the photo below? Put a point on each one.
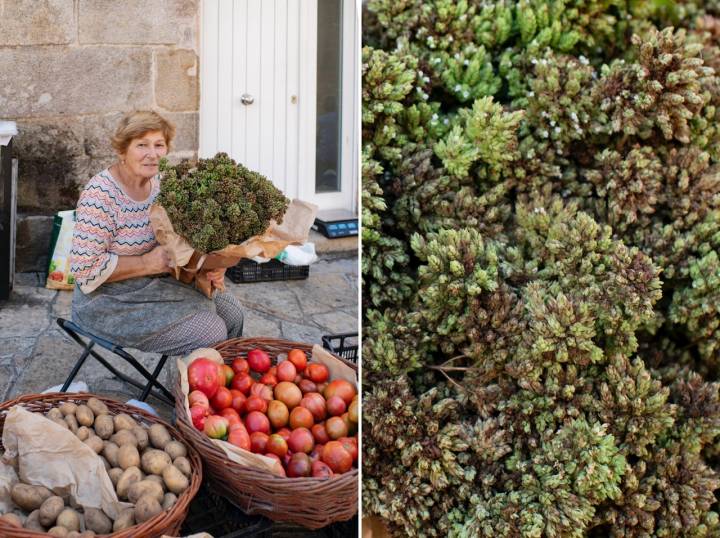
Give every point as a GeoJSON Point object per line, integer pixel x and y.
{"type": "Point", "coordinates": [251, 271]}
{"type": "Point", "coordinates": [217, 516]}
{"type": "Point", "coordinates": [343, 345]}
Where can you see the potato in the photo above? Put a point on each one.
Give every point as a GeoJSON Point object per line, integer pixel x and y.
{"type": "Point", "coordinates": [157, 479]}
{"type": "Point", "coordinates": [146, 508]}
{"type": "Point", "coordinates": [175, 449]}
{"type": "Point", "coordinates": [128, 456]}
{"type": "Point", "coordinates": [183, 464]}
{"type": "Point", "coordinates": [97, 407]}
{"type": "Point", "coordinates": [28, 497]}
{"type": "Point", "coordinates": [97, 521]}
{"type": "Point", "coordinates": [125, 520]}
{"type": "Point", "coordinates": [69, 519]}
{"type": "Point", "coordinates": [72, 423]}
{"type": "Point", "coordinates": [154, 461]}
{"type": "Point", "coordinates": [110, 451]}
{"type": "Point", "coordinates": [73, 534]}
{"type": "Point", "coordinates": [159, 436]}
{"type": "Point", "coordinates": [60, 532]}
{"type": "Point", "coordinates": [175, 480]}
{"type": "Point", "coordinates": [83, 432]}
{"type": "Point", "coordinates": [60, 422]}
{"type": "Point", "coordinates": [84, 415]}
{"type": "Point", "coordinates": [86, 534]}
{"type": "Point", "coordinates": [145, 488]}
{"type": "Point", "coordinates": [128, 478]}
{"type": "Point", "coordinates": [104, 426]}
{"type": "Point", "coordinates": [141, 435]}
{"type": "Point", "coordinates": [12, 519]}
{"type": "Point", "coordinates": [124, 437]}
{"type": "Point", "coordinates": [106, 463]}
{"type": "Point", "coordinates": [115, 473]}
{"type": "Point", "coordinates": [169, 501]}
{"type": "Point", "coordinates": [50, 510]}
{"type": "Point", "coordinates": [54, 413]}
{"type": "Point", "coordinates": [33, 522]}
{"type": "Point", "coordinates": [95, 443]}
{"type": "Point", "coordinates": [68, 408]}
{"type": "Point", "coordinates": [124, 421]}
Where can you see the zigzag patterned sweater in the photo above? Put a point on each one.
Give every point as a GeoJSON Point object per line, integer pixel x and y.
{"type": "Point", "coordinates": [108, 224]}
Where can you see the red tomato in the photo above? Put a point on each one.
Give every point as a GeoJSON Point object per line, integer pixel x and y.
{"type": "Point", "coordinates": [203, 376]}
{"type": "Point", "coordinates": [317, 373]}
{"type": "Point", "coordinates": [238, 400]}
{"type": "Point", "coordinates": [198, 397]}
{"type": "Point", "coordinates": [216, 426]}
{"type": "Point", "coordinates": [258, 360]}
{"type": "Point", "coordinates": [228, 373]}
{"type": "Point", "coordinates": [239, 437]}
{"type": "Point", "coordinates": [231, 415]}
{"type": "Point", "coordinates": [222, 399]}
{"type": "Point", "coordinates": [198, 414]}
{"type": "Point", "coordinates": [243, 383]}
{"type": "Point", "coordinates": [298, 358]}
{"type": "Point", "coordinates": [286, 371]}
{"type": "Point", "coordinates": [240, 366]}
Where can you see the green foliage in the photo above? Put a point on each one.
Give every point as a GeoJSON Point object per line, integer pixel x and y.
{"type": "Point", "coordinates": [216, 202]}
{"type": "Point", "coordinates": [541, 266]}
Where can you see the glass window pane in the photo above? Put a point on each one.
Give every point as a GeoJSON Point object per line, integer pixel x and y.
{"type": "Point", "coordinates": [329, 96]}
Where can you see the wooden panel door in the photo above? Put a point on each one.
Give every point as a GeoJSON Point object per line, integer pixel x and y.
{"type": "Point", "coordinates": [258, 92]}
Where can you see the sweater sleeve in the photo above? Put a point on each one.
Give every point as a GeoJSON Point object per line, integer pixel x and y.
{"type": "Point", "coordinates": [90, 260]}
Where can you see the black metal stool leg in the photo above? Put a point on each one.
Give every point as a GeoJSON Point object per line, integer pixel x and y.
{"type": "Point", "coordinates": [155, 375]}
{"type": "Point", "coordinates": [78, 365]}
{"type": "Point", "coordinates": [75, 331]}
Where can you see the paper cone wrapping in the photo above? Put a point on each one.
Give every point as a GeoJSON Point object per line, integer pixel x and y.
{"type": "Point", "coordinates": [190, 264]}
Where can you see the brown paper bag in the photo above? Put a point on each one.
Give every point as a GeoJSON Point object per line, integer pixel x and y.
{"type": "Point", "coordinates": [192, 265]}
{"type": "Point", "coordinates": [373, 527]}
{"type": "Point", "coordinates": [51, 456]}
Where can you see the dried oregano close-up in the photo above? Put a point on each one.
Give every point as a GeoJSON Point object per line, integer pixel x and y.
{"type": "Point", "coordinates": [217, 202]}
{"type": "Point", "coordinates": [541, 267]}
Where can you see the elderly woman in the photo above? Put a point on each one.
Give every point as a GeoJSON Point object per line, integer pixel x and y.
{"type": "Point", "coordinates": [123, 291]}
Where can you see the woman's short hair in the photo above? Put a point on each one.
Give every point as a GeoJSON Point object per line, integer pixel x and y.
{"type": "Point", "coordinates": [137, 123]}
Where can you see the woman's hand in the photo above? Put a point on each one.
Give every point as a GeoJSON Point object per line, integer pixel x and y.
{"type": "Point", "coordinates": [216, 276]}
{"type": "Point", "coordinates": [157, 261]}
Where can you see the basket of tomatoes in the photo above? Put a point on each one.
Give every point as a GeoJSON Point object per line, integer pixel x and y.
{"type": "Point", "coordinates": [275, 423]}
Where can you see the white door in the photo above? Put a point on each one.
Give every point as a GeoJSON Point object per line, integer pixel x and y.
{"type": "Point", "coordinates": [280, 93]}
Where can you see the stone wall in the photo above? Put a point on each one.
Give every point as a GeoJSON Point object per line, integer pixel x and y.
{"type": "Point", "coordinates": [68, 70]}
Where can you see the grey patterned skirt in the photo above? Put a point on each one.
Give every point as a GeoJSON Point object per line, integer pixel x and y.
{"type": "Point", "coordinates": [157, 314]}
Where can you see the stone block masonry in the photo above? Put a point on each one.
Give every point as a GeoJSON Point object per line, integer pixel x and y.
{"type": "Point", "coordinates": [68, 70]}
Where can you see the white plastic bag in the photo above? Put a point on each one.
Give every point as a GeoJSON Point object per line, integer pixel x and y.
{"type": "Point", "coordinates": [298, 255]}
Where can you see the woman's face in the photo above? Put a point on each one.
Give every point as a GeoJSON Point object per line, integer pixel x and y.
{"type": "Point", "coordinates": [143, 154]}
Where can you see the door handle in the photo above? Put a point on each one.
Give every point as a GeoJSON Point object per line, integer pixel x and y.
{"type": "Point", "coordinates": [247, 99]}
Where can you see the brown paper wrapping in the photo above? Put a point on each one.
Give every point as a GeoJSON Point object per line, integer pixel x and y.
{"type": "Point", "coordinates": [51, 456]}
{"type": "Point", "coordinates": [373, 527]}
{"type": "Point", "coordinates": [190, 264]}
{"type": "Point", "coordinates": [337, 369]}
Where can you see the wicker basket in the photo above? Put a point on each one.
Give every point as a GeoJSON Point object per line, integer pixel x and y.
{"type": "Point", "coordinates": [310, 502]}
{"type": "Point", "coordinates": [168, 522]}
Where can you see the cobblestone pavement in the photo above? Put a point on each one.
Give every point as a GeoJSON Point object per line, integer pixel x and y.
{"type": "Point", "coordinates": [35, 354]}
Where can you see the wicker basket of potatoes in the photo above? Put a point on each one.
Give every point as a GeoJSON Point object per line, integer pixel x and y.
{"type": "Point", "coordinates": [148, 463]}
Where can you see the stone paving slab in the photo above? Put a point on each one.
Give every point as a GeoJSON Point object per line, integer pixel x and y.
{"type": "Point", "coordinates": [35, 354]}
